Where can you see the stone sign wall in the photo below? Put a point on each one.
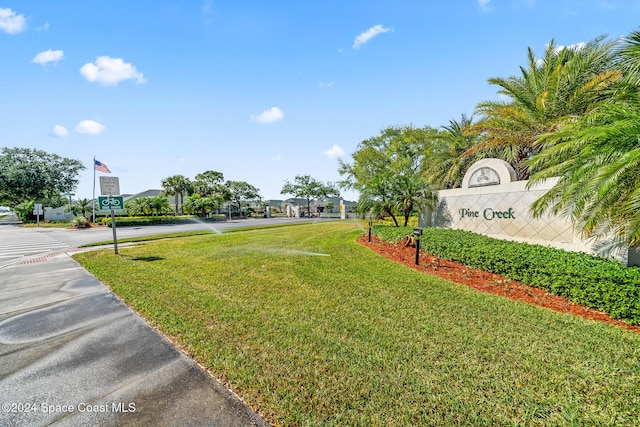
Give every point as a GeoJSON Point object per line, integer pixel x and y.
{"type": "Point", "coordinates": [493, 203]}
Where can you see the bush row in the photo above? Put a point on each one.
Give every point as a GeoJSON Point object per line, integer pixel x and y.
{"type": "Point", "coordinates": [604, 285]}
{"type": "Point", "coordinates": [155, 220]}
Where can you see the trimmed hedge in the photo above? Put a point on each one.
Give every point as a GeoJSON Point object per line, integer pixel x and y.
{"type": "Point", "coordinates": [602, 284]}
{"type": "Point", "coordinates": [123, 221]}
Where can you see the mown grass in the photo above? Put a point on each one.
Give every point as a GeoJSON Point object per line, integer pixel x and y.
{"type": "Point", "coordinates": [355, 339]}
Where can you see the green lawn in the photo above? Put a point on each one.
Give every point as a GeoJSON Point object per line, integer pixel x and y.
{"type": "Point", "coordinates": [354, 339]}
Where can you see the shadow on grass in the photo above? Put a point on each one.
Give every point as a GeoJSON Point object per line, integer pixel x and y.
{"type": "Point", "coordinates": [148, 258]}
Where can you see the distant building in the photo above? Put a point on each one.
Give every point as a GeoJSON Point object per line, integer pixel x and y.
{"type": "Point", "coordinates": [319, 206]}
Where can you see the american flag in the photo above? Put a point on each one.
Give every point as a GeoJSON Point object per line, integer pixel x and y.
{"type": "Point", "coordinates": [100, 167]}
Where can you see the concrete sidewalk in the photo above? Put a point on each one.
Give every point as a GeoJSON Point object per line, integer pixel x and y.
{"type": "Point", "coordinates": [72, 354]}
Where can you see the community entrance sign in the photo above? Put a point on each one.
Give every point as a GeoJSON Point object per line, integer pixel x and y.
{"type": "Point", "coordinates": [491, 201]}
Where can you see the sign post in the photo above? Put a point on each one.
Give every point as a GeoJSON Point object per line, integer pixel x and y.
{"type": "Point", "coordinates": [37, 211]}
{"type": "Point", "coordinates": [70, 195]}
{"type": "Point", "coordinates": [112, 203]}
{"type": "Point", "coordinates": [110, 186]}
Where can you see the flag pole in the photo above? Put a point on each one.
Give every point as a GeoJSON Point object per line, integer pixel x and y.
{"type": "Point", "coordinates": [93, 200]}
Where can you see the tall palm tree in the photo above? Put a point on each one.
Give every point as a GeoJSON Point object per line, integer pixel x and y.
{"type": "Point", "coordinates": [565, 83]}
{"type": "Point", "coordinates": [448, 160]}
{"type": "Point", "coordinates": [176, 185]}
{"type": "Point", "coordinates": [597, 160]}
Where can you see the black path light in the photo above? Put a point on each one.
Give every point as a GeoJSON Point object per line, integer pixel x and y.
{"type": "Point", "coordinates": [417, 232]}
{"type": "Point", "coordinates": [370, 231]}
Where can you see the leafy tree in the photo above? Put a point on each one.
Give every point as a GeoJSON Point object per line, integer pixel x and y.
{"type": "Point", "coordinates": [24, 210]}
{"type": "Point", "coordinates": [240, 191]}
{"type": "Point", "coordinates": [386, 171]}
{"type": "Point", "coordinates": [209, 183]}
{"type": "Point", "coordinates": [376, 197]}
{"type": "Point", "coordinates": [308, 188]}
{"type": "Point", "coordinates": [177, 185]}
{"type": "Point", "coordinates": [30, 174]}
{"type": "Point", "coordinates": [330, 206]}
{"type": "Point", "coordinates": [565, 83]}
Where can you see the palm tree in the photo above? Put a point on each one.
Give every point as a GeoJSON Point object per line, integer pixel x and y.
{"type": "Point", "coordinates": [597, 160]}
{"type": "Point", "coordinates": [411, 193]}
{"type": "Point", "coordinates": [550, 92]}
{"type": "Point", "coordinates": [82, 206]}
{"type": "Point", "coordinates": [159, 204]}
{"type": "Point", "coordinates": [203, 206]}
{"type": "Point", "coordinates": [176, 185]}
{"type": "Point", "coordinates": [447, 162]}
{"type": "Point", "coordinates": [138, 206]}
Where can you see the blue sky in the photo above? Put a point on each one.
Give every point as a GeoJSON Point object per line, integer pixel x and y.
{"type": "Point", "coordinates": [260, 90]}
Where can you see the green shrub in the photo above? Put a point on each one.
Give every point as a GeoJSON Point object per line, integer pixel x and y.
{"type": "Point", "coordinates": [124, 221]}
{"type": "Point", "coordinates": [80, 221]}
{"type": "Point", "coordinates": [413, 221]}
{"type": "Point", "coordinates": [602, 284]}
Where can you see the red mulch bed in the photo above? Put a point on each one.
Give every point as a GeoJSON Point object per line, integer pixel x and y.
{"type": "Point", "coordinates": [484, 281]}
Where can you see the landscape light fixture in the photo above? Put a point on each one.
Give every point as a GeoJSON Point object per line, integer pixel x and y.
{"type": "Point", "coordinates": [417, 232]}
{"type": "Point", "coordinates": [370, 231]}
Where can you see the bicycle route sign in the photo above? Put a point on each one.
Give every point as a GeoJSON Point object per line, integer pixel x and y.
{"type": "Point", "coordinates": [112, 202]}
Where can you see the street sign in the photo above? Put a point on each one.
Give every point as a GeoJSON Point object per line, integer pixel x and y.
{"type": "Point", "coordinates": [111, 203]}
{"type": "Point", "coordinates": [37, 209]}
{"type": "Point", "coordinates": [109, 185]}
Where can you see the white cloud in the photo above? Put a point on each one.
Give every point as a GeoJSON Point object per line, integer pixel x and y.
{"type": "Point", "coordinates": [325, 84]}
{"type": "Point", "coordinates": [333, 152]}
{"type": "Point", "coordinates": [575, 46]}
{"type": "Point", "coordinates": [368, 35]}
{"type": "Point", "coordinates": [47, 56]}
{"type": "Point", "coordinates": [277, 157]}
{"type": "Point", "coordinates": [11, 23]}
{"type": "Point", "coordinates": [89, 126]}
{"type": "Point", "coordinates": [484, 4]}
{"type": "Point", "coordinates": [269, 116]}
{"type": "Point", "coordinates": [558, 49]}
{"type": "Point", "coordinates": [59, 131]}
{"type": "Point", "coordinates": [44, 27]}
{"type": "Point", "coordinates": [110, 71]}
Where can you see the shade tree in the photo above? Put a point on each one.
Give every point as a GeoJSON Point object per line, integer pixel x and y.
{"type": "Point", "coordinates": [308, 188]}
{"type": "Point", "coordinates": [30, 174]}
{"type": "Point", "coordinates": [387, 171]}
{"type": "Point", "coordinates": [240, 192]}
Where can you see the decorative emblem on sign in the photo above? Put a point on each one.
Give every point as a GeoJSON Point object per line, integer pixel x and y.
{"type": "Point", "coordinates": [484, 176]}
